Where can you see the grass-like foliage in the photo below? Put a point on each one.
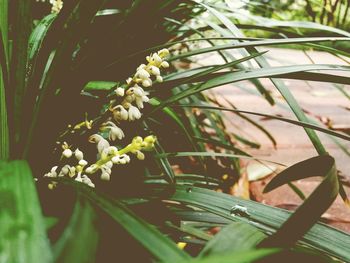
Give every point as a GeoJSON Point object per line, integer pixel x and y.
{"type": "Point", "coordinates": [107, 74]}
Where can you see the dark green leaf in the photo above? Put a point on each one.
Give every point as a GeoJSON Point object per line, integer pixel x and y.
{"type": "Point", "coordinates": [313, 207]}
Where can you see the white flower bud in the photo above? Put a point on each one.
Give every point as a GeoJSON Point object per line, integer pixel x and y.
{"type": "Point", "coordinates": [142, 74]}
{"type": "Point", "coordinates": [157, 59]}
{"type": "Point", "coordinates": [91, 169]}
{"type": "Point", "coordinates": [128, 81]}
{"type": "Point", "coordinates": [138, 91]}
{"type": "Point", "coordinates": [105, 176]}
{"type": "Point", "coordinates": [67, 153]}
{"type": "Point", "coordinates": [78, 154]}
{"type": "Point", "coordinates": [147, 83]}
{"type": "Point", "coordinates": [163, 52]}
{"type": "Point", "coordinates": [164, 64]}
{"type": "Point", "coordinates": [83, 163]}
{"type": "Point", "coordinates": [155, 71]}
{"type": "Point", "coordinates": [116, 159]}
{"type": "Point", "coordinates": [119, 91]}
{"type": "Point", "coordinates": [159, 78]}
{"type": "Point", "coordinates": [140, 155]}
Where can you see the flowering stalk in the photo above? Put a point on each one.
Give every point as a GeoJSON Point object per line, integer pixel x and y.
{"type": "Point", "coordinates": [132, 98]}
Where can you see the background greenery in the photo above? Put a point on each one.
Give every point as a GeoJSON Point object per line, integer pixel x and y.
{"type": "Point", "coordinates": [148, 208]}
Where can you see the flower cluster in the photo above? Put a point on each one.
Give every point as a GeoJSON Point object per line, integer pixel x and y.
{"type": "Point", "coordinates": [133, 96]}
{"type": "Point", "coordinates": [108, 156]}
{"type": "Point", "coordinates": [131, 99]}
{"type": "Point", "coordinates": [56, 6]}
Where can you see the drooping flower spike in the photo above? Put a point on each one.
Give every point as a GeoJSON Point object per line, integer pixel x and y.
{"type": "Point", "coordinates": [132, 98]}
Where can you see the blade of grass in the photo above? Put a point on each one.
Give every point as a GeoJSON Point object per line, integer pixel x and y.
{"type": "Point", "coordinates": [4, 129]}
{"type": "Point", "coordinates": [21, 26]}
{"type": "Point", "coordinates": [294, 122]}
{"type": "Point", "coordinates": [247, 44]}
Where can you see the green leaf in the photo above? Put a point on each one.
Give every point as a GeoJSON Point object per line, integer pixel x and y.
{"type": "Point", "coordinates": [313, 207]}
{"type": "Point", "coordinates": [100, 85]}
{"type": "Point", "coordinates": [155, 242]}
{"type": "Point", "coordinates": [237, 236]}
{"type": "Point", "coordinates": [79, 240]}
{"type": "Point", "coordinates": [210, 154]}
{"type": "Point", "coordinates": [35, 43]}
{"type": "Point", "coordinates": [266, 218]}
{"type": "Point", "coordinates": [298, 123]}
{"type": "Point", "coordinates": [21, 26]}
{"type": "Point", "coordinates": [257, 43]}
{"type": "Point", "coordinates": [4, 129]}
{"type": "Point", "coordinates": [23, 232]}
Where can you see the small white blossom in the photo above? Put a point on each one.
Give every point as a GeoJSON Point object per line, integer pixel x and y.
{"type": "Point", "coordinates": [157, 59]}
{"type": "Point", "coordinates": [159, 78]}
{"type": "Point", "coordinates": [121, 159]}
{"type": "Point", "coordinates": [120, 113]}
{"type": "Point", "coordinates": [56, 6]}
{"type": "Point", "coordinates": [164, 52]}
{"type": "Point", "coordinates": [64, 171]}
{"type": "Point", "coordinates": [91, 169]}
{"type": "Point", "coordinates": [114, 131]}
{"type": "Point", "coordinates": [83, 163]}
{"type": "Point", "coordinates": [105, 176]}
{"type": "Point", "coordinates": [52, 172]}
{"type": "Point", "coordinates": [128, 81]}
{"type": "Point", "coordinates": [134, 113]}
{"type": "Point", "coordinates": [78, 154]}
{"type": "Point", "coordinates": [119, 91]}
{"type": "Point", "coordinates": [142, 74]}
{"type": "Point", "coordinates": [102, 143]}
{"type": "Point", "coordinates": [147, 83]}
{"type": "Point", "coordinates": [67, 153]}
{"type": "Point", "coordinates": [155, 71]}
{"type": "Point", "coordinates": [164, 64]}
{"type": "Point", "coordinates": [140, 155]}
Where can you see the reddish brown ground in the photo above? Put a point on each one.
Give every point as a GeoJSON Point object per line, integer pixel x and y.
{"type": "Point", "coordinates": [322, 99]}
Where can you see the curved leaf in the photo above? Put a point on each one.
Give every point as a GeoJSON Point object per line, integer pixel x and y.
{"type": "Point", "coordinates": [313, 207]}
